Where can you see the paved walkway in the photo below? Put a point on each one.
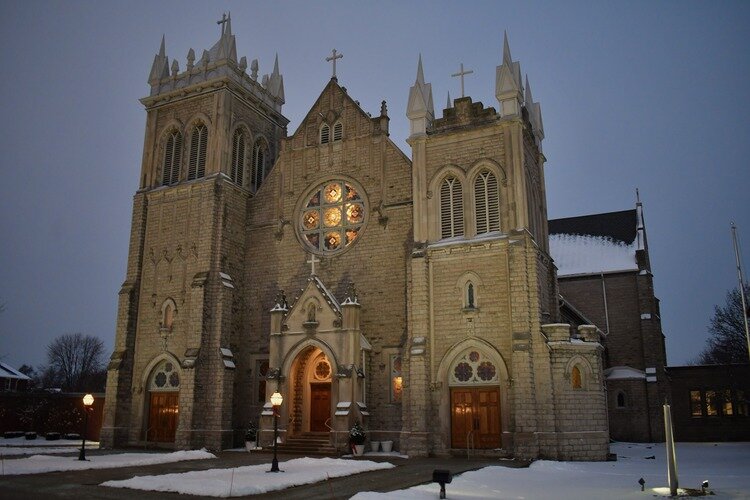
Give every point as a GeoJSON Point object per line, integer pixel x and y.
{"type": "Point", "coordinates": [85, 484]}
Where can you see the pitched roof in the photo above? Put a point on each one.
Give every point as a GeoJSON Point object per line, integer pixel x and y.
{"type": "Point", "coordinates": [7, 371]}
{"type": "Point", "coordinates": [620, 226]}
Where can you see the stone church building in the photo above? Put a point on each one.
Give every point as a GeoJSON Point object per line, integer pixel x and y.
{"type": "Point", "coordinates": [412, 292]}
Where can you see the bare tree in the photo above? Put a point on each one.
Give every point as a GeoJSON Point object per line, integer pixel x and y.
{"type": "Point", "coordinates": [727, 343]}
{"type": "Point", "coordinates": [75, 362]}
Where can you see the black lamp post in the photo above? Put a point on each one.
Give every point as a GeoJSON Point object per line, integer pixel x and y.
{"type": "Point", "coordinates": [276, 400]}
{"type": "Point", "coordinates": [88, 400]}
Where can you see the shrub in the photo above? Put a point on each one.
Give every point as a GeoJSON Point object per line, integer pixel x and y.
{"type": "Point", "coordinates": [357, 434]}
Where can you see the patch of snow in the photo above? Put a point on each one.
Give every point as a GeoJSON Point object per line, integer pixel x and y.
{"type": "Point", "coordinates": [723, 465]}
{"type": "Point", "coordinates": [36, 464]}
{"type": "Point", "coordinates": [22, 442]}
{"type": "Point", "coordinates": [585, 254]}
{"type": "Point", "coordinates": [645, 316]}
{"type": "Point", "coordinates": [250, 480]}
{"type": "Point", "coordinates": [623, 372]}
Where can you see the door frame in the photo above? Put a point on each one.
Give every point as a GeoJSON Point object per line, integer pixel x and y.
{"type": "Point", "coordinates": [475, 390]}
{"type": "Point", "coordinates": [149, 427]}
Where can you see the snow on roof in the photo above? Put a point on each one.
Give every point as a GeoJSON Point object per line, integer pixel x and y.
{"type": "Point", "coordinates": [623, 372]}
{"type": "Point", "coordinates": [7, 371]}
{"type": "Point", "coordinates": [586, 254]}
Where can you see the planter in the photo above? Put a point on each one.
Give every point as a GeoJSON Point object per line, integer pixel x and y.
{"type": "Point", "coordinates": [359, 450]}
{"type": "Point", "coordinates": [387, 446]}
{"type": "Point", "coordinates": [375, 445]}
{"type": "Point", "coordinates": [251, 445]}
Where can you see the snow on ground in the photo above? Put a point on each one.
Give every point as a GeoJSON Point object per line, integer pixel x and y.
{"type": "Point", "coordinates": [36, 464]}
{"type": "Point", "coordinates": [22, 446]}
{"type": "Point", "coordinates": [726, 466]}
{"type": "Point", "coordinates": [252, 479]}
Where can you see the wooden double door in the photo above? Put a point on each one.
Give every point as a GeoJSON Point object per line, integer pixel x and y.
{"type": "Point", "coordinates": [162, 416]}
{"type": "Point", "coordinates": [475, 417]}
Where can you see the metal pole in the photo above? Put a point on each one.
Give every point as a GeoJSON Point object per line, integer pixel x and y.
{"type": "Point", "coordinates": [671, 457]}
{"type": "Point", "coordinates": [82, 454]}
{"type": "Point", "coordinates": [275, 462]}
{"type": "Point", "coordinates": [742, 284]}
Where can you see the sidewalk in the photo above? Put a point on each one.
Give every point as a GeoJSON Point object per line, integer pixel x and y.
{"type": "Point", "coordinates": [85, 484]}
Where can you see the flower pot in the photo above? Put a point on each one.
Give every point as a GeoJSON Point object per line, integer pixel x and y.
{"type": "Point", "coordinates": [359, 450]}
{"type": "Point", "coordinates": [375, 445]}
{"type": "Point", "coordinates": [387, 446]}
{"type": "Point", "coordinates": [251, 445]}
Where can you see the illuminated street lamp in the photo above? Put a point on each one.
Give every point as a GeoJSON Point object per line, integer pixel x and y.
{"type": "Point", "coordinates": [88, 400]}
{"type": "Point", "coordinates": [276, 400]}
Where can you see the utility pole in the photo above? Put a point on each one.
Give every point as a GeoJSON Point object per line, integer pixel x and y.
{"type": "Point", "coordinates": [742, 284]}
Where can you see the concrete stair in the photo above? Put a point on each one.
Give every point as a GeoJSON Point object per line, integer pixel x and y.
{"type": "Point", "coordinates": [308, 443]}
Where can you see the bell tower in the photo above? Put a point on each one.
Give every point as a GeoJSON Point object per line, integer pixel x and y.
{"type": "Point", "coordinates": [213, 132]}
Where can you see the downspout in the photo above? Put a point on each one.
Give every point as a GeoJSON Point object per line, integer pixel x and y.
{"type": "Point", "coordinates": [604, 296]}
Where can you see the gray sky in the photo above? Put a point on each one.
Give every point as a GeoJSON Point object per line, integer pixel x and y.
{"type": "Point", "coordinates": [633, 94]}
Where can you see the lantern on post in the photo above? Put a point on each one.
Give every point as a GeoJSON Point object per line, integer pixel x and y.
{"type": "Point", "coordinates": [88, 400]}
{"type": "Point", "coordinates": [276, 400]}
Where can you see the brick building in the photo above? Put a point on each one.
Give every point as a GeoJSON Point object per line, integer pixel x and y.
{"type": "Point", "coordinates": [604, 272]}
{"type": "Point", "coordinates": [416, 295]}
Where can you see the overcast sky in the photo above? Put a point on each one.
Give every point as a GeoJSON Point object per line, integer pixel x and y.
{"type": "Point", "coordinates": [633, 94]}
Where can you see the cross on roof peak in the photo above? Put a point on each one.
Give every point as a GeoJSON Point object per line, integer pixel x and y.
{"type": "Point", "coordinates": [461, 73]}
{"type": "Point", "coordinates": [223, 21]}
{"type": "Point", "coordinates": [313, 260]}
{"type": "Point", "coordinates": [333, 58]}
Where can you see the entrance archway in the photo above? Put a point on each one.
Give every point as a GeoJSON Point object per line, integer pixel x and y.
{"type": "Point", "coordinates": [163, 402]}
{"type": "Point", "coordinates": [311, 392]}
{"type": "Point", "coordinates": [474, 384]}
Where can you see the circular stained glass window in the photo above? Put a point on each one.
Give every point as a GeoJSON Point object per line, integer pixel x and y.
{"type": "Point", "coordinates": [166, 377]}
{"type": "Point", "coordinates": [332, 217]}
{"type": "Point", "coordinates": [322, 370]}
{"type": "Point", "coordinates": [160, 380]}
{"type": "Point", "coordinates": [463, 372]}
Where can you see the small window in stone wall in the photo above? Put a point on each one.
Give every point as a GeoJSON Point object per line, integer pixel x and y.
{"type": "Point", "coordinates": [740, 399]}
{"type": "Point", "coordinates": [470, 300]}
{"type": "Point", "coordinates": [621, 400]}
{"type": "Point", "coordinates": [261, 372]}
{"type": "Point", "coordinates": [575, 378]}
{"type": "Point", "coordinates": [397, 380]}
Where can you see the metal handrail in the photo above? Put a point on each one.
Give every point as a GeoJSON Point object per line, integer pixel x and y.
{"type": "Point", "coordinates": [326, 424]}
{"type": "Point", "coordinates": [469, 444]}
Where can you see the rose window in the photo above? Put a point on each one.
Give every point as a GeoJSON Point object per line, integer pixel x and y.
{"type": "Point", "coordinates": [473, 368]}
{"type": "Point", "coordinates": [332, 217]}
{"type": "Point", "coordinates": [166, 377]}
{"type": "Point", "coordinates": [322, 370]}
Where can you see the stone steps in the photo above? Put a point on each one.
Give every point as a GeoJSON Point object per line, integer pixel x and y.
{"type": "Point", "coordinates": [309, 443]}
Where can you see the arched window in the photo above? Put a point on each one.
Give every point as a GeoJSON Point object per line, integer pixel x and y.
{"type": "Point", "coordinates": [621, 400]}
{"type": "Point", "coordinates": [238, 157]}
{"type": "Point", "coordinates": [198, 144]}
{"type": "Point", "coordinates": [165, 377]}
{"type": "Point", "coordinates": [325, 134]}
{"type": "Point", "coordinates": [172, 156]}
{"type": "Point", "coordinates": [338, 131]}
{"type": "Point", "coordinates": [470, 303]}
{"type": "Point", "coordinates": [451, 208]}
{"type": "Point", "coordinates": [575, 377]}
{"type": "Point", "coordinates": [168, 316]}
{"type": "Point", "coordinates": [473, 368]}
{"type": "Point", "coordinates": [260, 152]}
{"type": "Point", "coordinates": [487, 202]}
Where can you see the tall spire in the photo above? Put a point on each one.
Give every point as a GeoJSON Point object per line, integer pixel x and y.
{"type": "Point", "coordinates": [160, 67]}
{"type": "Point", "coordinates": [534, 110]}
{"type": "Point", "coordinates": [448, 103]}
{"type": "Point", "coordinates": [508, 90]}
{"type": "Point", "coordinates": [420, 110]}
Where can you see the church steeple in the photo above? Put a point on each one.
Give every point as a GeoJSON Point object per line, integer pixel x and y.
{"type": "Point", "coordinates": [508, 90]}
{"type": "Point", "coordinates": [420, 109]}
{"type": "Point", "coordinates": [534, 110]}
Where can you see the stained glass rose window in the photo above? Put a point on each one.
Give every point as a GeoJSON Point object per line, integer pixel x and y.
{"type": "Point", "coordinates": [463, 372]}
{"type": "Point", "coordinates": [166, 377]}
{"type": "Point", "coordinates": [474, 368]}
{"type": "Point", "coordinates": [332, 217]}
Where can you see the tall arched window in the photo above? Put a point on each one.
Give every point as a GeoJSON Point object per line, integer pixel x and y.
{"type": "Point", "coordinates": [470, 302]}
{"type": "Point", "coordinates": [172, 155]}
{"type": "Point", "coordinates": [575, 378]}
{"type": "Point", "coordinates": [260, 152]}
{"type": "Point", "coordinates": [198, 144]}
{"type": "Point", "coordinates": [487, 202]}
{"type": "Point", "coordinates": [451, 208]}
{"type": "Point", "coordinates": [621, 400]}
{"type": "Point", "coordinates": [325, 134]}
{"type": "Point", "coordinates": [238, 157]}
{"type": "Point", "coordinates": [338, 131]}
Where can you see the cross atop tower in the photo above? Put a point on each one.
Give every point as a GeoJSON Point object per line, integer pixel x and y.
{"type": "Point", "coordinates": [313, 260]}
{"type": "Point", "coordinates": [461, 74]}
{"type": "Point", "coordinates": [223, 22]}
{"type": "Point", "coordinates": [333, 58]}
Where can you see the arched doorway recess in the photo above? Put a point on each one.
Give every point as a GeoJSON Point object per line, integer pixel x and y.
{"type": "Point", "coordinates": [163, 402]}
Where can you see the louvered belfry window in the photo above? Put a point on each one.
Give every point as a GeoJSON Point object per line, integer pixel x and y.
{"type": "Point", "coordinates": [198, 144]}
{"type": "Point", "coordinates": [338, 131]}
{"type": "Point", "coordinates": [259, 164]}
{"type": "Point", "coordinates": [451, 208]}
{"type": "Point", "coordinates": [325, 134]}
{"type": "Point", "coordinates": [238, 157]}
{"type": "Point", "coordinates": [172, 155]}
{"type": "Point", "coordinates": [487, 200]}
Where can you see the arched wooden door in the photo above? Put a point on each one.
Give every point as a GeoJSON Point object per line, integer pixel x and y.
{"type": "Point", "coordinates": [163, 403]}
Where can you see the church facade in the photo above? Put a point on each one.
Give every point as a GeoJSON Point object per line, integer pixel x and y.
{"type": "Point", "coordinates": [414, 294]}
